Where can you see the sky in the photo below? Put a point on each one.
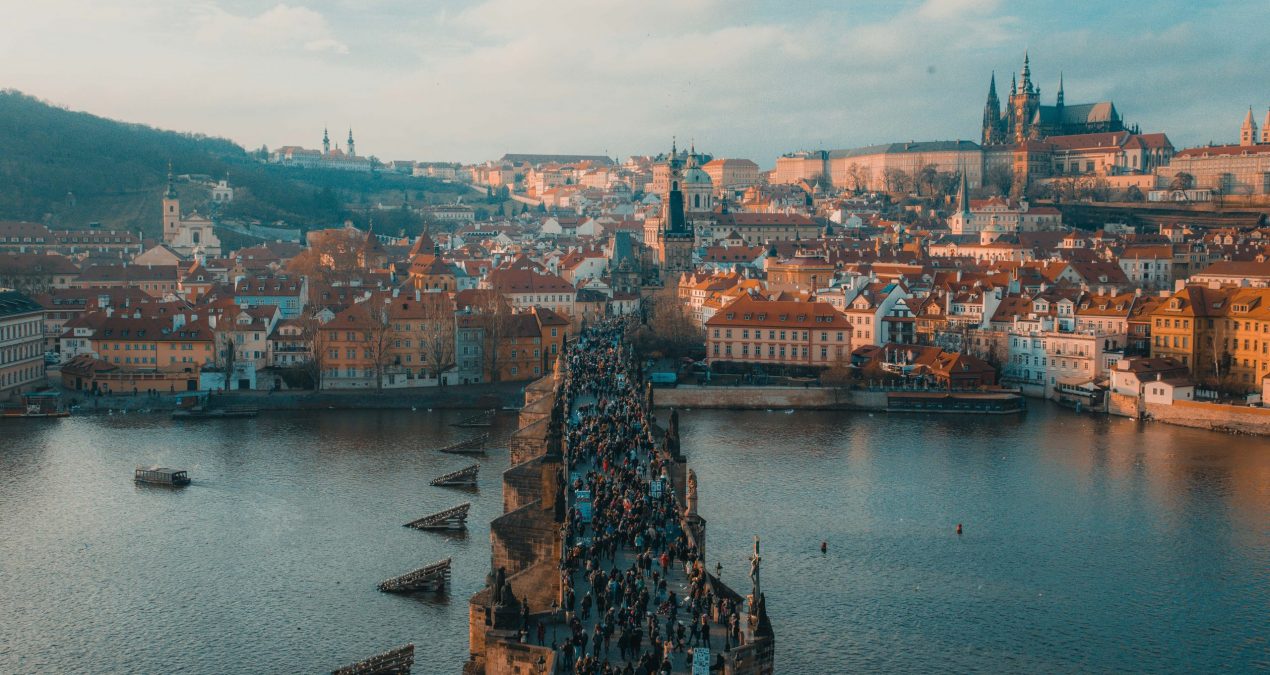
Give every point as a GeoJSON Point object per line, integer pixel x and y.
{"type": "Point", "coordinates": [468, 81]}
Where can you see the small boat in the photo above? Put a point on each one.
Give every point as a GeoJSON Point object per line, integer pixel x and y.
{"type": "Point", "coordinates": [161, 476]}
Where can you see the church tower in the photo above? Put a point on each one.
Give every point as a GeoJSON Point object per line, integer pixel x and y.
{"type": "Point", "coordinates": [678, 239]}
{"type": "Point", "coordinates": [1248, 132]}
{"type": "Point", "coordinates": [352, 150]}
{"type": "Point", "coordinates": [697, 187]}
{"type": "Point", "coordinates": [1265, 128]}
{"type": "Point", "coordinates": [171, 210]}
{"type": "Point", "coordinates": [326, 142]}
{"type": "Point", "coordinates": [992, 115]}
{"type": "Point", "coordinates": [960, 222]}
{"type": "Point", "coordinates": [1024, 105]}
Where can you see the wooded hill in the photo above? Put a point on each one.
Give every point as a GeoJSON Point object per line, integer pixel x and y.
{"type": "Point", "coordinates": [67, 169]}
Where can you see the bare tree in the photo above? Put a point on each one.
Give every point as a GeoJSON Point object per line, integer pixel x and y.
{"type": "Point", "coordinates": [436, 340]}
{"type": "Point", "coordinates": [226, 352]}
{"type": "Point", "coordinates": [897, 181]}
{"type": "Point", "coordinates": [1000, 178]}
{"type": "Point", "coordinates": [670, 330]}
{"type": "Point", "coordinates": [927, 179]}
{"type": "Point", "coordinates": [333, 256]}
{"type": "Point", "coordinates": [1182, 181]}
{"type": "Point", "coordinates": [377, 338]}
{"type": "Point", "coordinates": [320, 341]}
{"type": "Point", "coordinates": [495, 319]}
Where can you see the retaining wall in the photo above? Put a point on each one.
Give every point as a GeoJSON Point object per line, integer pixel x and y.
{"type": "Point", "coordinates": [762, 398]}
{"type": "Point", "coordinates": [1214, 416]}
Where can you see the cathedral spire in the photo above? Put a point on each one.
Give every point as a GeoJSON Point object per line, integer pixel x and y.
{"type": "Point", "coordinates": [991, 113]}
{"type": "Point", "coordinates": [1014, 88]}
{"type": "Point", "coordinates": [1060, 89]}
{"type": "Point", "coordinates": [1026, 75]}
{"type": "Point", "coordinates": [963, 195]}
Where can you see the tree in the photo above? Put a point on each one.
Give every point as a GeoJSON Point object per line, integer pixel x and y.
{"type": "Point", "coordinates": [1000, 177]}
{"type": "Point", "coordinates": [669, 330]}
{"type": "Point", "coordinates": [436, 340]}
{"type": "Point", "coordinates": [495, 317]}
{"type": "Point", "coordinates": [1182, 181]}
{"type": "Point", "coordinates": [927, 180]}
{"type": "Point", "coordinates": [333, 256]}
{"type": "Point", "coordinates": [1134, 194]}
{"type": "Point", "coordinates": [857, 178]}
{"type": "Point", "coordinates": [897, 181]}
{"type": "Point", "coordinates": [377, 337]}
{"type": "Point", "coordinates": [319, 345]}
{"type": "Point", "coordinates": [226, 354]}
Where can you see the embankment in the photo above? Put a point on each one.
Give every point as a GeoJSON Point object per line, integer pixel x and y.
{"type": "Point", "coordinates": [469, 396]}
{"type": "Point", "coordinates": [1214, 416]}
{"type": "Point", "coordinates": [762, 398]}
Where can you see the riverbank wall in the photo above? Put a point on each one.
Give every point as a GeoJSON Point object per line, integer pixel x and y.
{"type": "Point", "coordinates": [1212, 416]}
{"type": "Point", "coordinates": [453, 397]}
{"type": "Point", "coordinates": [762, 398]}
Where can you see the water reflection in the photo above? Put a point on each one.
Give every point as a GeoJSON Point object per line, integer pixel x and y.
{"type": "Point", "coordinates": [1090, 543]}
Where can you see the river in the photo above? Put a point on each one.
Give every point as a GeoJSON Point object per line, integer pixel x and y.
{"type": "Point", "coordinates": [1090, 544]}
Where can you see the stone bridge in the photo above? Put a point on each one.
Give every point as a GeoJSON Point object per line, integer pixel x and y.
{"type": "Point", "coordinates": [528, 546]}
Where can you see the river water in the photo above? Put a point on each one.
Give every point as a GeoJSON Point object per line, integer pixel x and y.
{"type": "Point", "coordinates": [1090, 544]}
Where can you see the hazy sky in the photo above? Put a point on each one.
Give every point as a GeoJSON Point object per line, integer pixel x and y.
{"type": "Point", "coordinates": [467, 81]}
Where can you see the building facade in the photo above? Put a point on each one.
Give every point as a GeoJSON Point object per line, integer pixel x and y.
{"type": "Point", "coordinates": [21, 344]}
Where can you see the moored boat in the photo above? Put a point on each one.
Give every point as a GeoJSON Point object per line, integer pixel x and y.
{"type": "Point", "coordinates": [158, 475]}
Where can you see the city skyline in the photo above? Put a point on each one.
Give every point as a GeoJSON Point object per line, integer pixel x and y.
{"type": "Point", "coordinates": [745, 80]}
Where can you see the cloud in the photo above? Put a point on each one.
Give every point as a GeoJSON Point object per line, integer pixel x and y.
{"type": "Point", "coordinates": [279, 28]}
{"type": "Point", "coordinates": [460, 80]}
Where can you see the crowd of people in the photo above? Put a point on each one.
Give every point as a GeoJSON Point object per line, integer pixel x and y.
{"type": "Point", "coordinates": [629, 570]}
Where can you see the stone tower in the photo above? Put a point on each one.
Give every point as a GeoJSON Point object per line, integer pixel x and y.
{"type": "Point", "coordinates": [1024, 105]}
{"type": "Point", "coordinates": [1265, 128]}
{"type": "Point", "coordinates": [1248, 132]}
{"type": "Point", "coordinates": [171, 210]}
{"type": "Point", "coordinates": [352, 149]}
{"type": "Point", "coordinates": [678, 238]}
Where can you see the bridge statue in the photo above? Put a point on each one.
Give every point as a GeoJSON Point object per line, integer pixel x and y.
{"type": "Point", "coordinates": [691, 496]}
{"type": "Point", "coordinates": [755, 561]}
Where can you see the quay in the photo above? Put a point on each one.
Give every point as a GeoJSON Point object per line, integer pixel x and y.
{"type": "Point", "coordinates": [598, 561]}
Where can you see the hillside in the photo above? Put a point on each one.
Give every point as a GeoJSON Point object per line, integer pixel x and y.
{"type": "Point", "coordinates": [68, 169]}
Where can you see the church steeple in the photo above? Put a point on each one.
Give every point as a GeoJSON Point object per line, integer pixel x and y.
{"type": "Point", "coordinates": [1265, 128]}
{"type": "Point", "coordinates": [1248, 132]}
{"type": "Point", "coordinates": [992, 114]}
{"type": "Point", "coordinates": [171, 193]}
{"type": "Point", "coordinates": [963, 195]}
{"type": "Point", "coordinates": [352, 151]}
{"type": "Point", "coordinates": [326, 142]}
{"type": "Point", "coordinates": [1060, 89]}
{"type": "Point", "coordinates": [1027, 75]}
{"type": "Point", "coordinates": [1014, 88]}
